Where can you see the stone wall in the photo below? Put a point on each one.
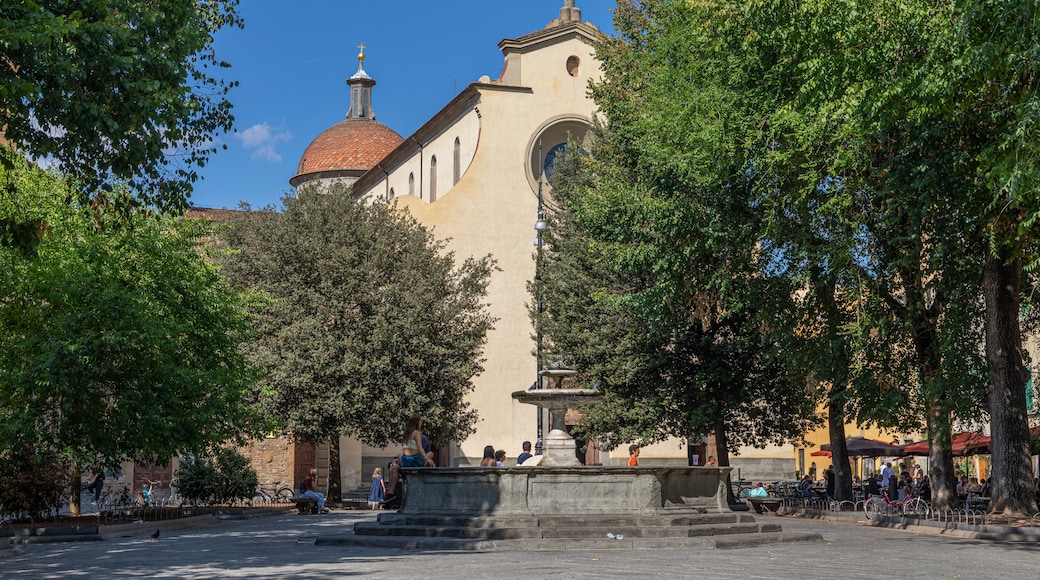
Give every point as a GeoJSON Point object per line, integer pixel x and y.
{"type": "Point", "coordinates": [764, 469]}
{"type": "Point", "coordinates": [272, 458]}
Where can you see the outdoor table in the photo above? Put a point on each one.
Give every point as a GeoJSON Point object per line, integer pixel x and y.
{"type": "Point", "coordinates": [979, 502]}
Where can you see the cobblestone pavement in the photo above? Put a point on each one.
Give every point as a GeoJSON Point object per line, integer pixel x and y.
{"type": "Point", "coordinates": [280, 546]}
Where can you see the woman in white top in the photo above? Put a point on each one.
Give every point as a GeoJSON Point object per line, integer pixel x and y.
{"type": "Point", "coordinates": [411, 450]}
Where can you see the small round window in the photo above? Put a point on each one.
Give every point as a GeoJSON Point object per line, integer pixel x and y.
{"type": "Point", "coordinates": [572, 66]}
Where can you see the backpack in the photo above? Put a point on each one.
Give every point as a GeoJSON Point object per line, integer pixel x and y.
{"type": "Point", "coordinates": [303, 488]}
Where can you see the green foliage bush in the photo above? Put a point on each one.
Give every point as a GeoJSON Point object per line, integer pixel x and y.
{"type": "Point", "coordinates": [223, 479]}
{"type": "Point", "coordinates": [31, 484]}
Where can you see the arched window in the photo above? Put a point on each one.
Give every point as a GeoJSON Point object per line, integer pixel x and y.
{"type": "Point", "coordinates": [411, 184]}
{"type": "Point", "coordinates": [455, 174]}
{"type": "Point", "coordinates": [433, 178]}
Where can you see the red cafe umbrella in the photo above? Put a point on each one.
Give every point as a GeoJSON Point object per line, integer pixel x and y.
{"type": "Point", "coordinates": [965, 443]}
{"type": "Point", "coordinates": [821, 453]}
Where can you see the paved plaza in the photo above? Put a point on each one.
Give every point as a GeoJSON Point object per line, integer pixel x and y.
{"type": "Point", "coordinates": [281, 546]}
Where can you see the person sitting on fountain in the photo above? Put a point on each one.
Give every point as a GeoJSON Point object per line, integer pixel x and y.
{"type": "Point", "coordinates": [500, 458]}
{"type": "Point", "coordinates": [392, 496]}
{"type": "Point", "coordinates": [520, 459]}
{"type": "Point", "coordinates": [412, 454]}
{"type": "Point", "coordinates": [489, 457]}
{"type": "Point", "coordinates": [633, 455]}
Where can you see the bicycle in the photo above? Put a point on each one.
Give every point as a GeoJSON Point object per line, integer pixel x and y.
{"type": "Point", "coordinates": [280, 494]}
{"type": "Point", "coordinates": [145, 496]}
{"type": "Point", "coordinates": [908, 506]}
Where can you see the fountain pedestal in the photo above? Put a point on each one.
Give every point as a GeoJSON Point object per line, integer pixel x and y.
{"type": "Point", "coordinates": [558, 446]}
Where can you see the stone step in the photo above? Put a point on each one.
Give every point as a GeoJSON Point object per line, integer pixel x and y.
{"type": "Point", "coordinates": [583, 532]}
{"type": "Point", "coordinates": [591, 520]}
{"type": "Point", "coordinates": [586, 544]}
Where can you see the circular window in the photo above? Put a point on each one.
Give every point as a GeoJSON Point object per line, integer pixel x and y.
{"type": "Point", "coordinates": [550, 143]}
{"type": "Point", "coordinates": [572, 66]}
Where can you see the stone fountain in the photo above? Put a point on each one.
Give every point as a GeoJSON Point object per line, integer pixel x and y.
{"type": "Point", "coordinates": [558, 447]}
{"type": "Point", "coordinates": [560, 504]}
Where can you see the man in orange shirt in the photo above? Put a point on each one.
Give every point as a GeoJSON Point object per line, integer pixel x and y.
{"type": "Point", "coordinates": [633, 455]}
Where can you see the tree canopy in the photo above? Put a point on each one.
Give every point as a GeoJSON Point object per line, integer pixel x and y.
{"type": "Point", "coordinates": [664, 222]}
{"type": "Point", "coordinates": [116, 90]}
{"type": "Point", "coordinates": [369, 319]}
{"type": "Point", "coordinates": [118, 340]}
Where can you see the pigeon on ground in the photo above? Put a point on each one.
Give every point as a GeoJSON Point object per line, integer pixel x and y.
{"type": "Point", "coordinates": [155, 536]}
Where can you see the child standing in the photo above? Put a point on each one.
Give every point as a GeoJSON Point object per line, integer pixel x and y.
{"type": "Point", "coordinates": [375, 497]}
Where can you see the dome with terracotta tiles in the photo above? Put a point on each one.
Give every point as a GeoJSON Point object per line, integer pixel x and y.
{"type": "Point", "coordinates": [352, 145]}
{"type": "Point", "coordinates": [346, 150]}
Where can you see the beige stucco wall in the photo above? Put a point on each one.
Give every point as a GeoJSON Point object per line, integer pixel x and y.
{"type": "Point", "coordinates": [465, 128]}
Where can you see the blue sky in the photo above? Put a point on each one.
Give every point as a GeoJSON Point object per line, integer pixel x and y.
{"type": "Point", "coordinates": [292, 61]}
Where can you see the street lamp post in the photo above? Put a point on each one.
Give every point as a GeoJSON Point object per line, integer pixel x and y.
{"type": "Point", "coordinates": [540, 225]}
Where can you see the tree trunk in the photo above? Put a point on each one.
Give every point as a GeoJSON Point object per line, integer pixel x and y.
{"type": "Point", "coordinates": [75, 491]}
{"type": "Point", "coordinates": [938, 423]}
{"type": "Point", "coordinates": [1011, 477]}
{"type": "Point", "coordinates": [335, 496]}
{"type": "Point", "coordinates": [722, 457]}
{"type": "Point", "coordinates": [839, 449]}
{"type": "Point", "coordinates": [940, 457]}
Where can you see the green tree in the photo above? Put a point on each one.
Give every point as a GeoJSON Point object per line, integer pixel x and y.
{"type": "Point", "coordinates": [929, 108]}
{"type": "Point", "coordinates": [668, 222]}
{"type": "Point", "coordinates": [117, 339]}
{"type": "Point", "coordinates": [865, 217]}
{"type": "Point", "coordinates": [116, 90]}
{"type": "Point", "coordinates": [369, 320]}
{"type": "Point", "coordinates": [226, 477]}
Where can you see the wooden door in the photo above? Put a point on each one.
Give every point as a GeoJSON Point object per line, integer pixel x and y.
{"type": "Point", "coordinates": [158, 473]}
{"type": "Point", "coordinates": [304, 460]}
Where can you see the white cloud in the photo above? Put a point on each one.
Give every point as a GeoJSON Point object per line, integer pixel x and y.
{"type": "Point", "coordinates": [262, 141]}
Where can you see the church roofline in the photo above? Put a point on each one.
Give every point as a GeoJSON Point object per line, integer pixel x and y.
{"type": "Point", "coordinates": [549, 35]}
{"type": "Point", "coordinates": [466, 98]}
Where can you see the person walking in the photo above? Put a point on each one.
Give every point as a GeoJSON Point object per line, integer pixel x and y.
{"type": "Point", "coordinates": [887, 473]}
{"type": "Point", "coordinates": [375, 497]}
{"type": "Point", "coordinates": [500, 458]}
{"type": "Point", "coordinates": [96, 484]}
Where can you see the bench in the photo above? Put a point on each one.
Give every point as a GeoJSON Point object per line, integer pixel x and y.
{"type": "Point", "coordinates": [306, 505]}
{"type": "Point", "coordinates": [763, 504]}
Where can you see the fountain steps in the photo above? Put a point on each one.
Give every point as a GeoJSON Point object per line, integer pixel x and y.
{"type": "Point", "coordinates": [532, 538]}
{"type": "Point", "coordinates": [638, 520]}
{"type": "Point", "coordinates": [577, 532]}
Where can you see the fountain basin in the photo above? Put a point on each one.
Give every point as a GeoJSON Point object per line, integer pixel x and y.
{"type": "Point", "coordinates": [558, 398]}
{"type": "Point", "coordinates": [563, 490]}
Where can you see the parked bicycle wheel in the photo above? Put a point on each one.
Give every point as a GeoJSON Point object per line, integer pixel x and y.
{"type": "Point", "coordinates": [915, 508]}
{"type": "Point", "coordinates": [874, 507]}
{"type": "Point", "coordinates": [284, 495]}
